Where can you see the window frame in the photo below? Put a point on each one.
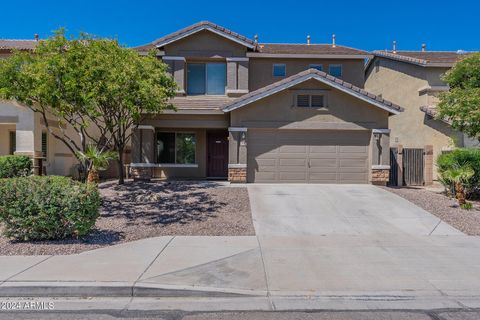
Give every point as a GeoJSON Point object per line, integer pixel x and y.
{"type": "Point", "coordinates": [335, 65]}
{"type": "Point", "coordinates": [175, 164]}
{"type": "Point", "coordinates": [284, 67]}
{"type": "Point", "coordinates": [312, 66]}
{"type": "Point", "coordinates": [206, 78]}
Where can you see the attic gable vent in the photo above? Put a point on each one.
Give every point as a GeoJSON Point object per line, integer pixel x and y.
{"type": "Point", "coordinates": [303, 100]}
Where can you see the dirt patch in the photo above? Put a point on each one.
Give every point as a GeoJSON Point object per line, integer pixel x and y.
{"type": "Point", "coordinates": [139, 210]}
{"type": "Point", "coordinates": [438, 204]}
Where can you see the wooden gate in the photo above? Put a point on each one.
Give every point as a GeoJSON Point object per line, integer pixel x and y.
{"type": "Point", "coordinates": [393, 178]}
{"type": "Point", "coordinates": [413, 165]}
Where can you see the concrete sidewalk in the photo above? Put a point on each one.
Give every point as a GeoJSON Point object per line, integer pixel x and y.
{"type": "Point", "coordinates": [331, 247]}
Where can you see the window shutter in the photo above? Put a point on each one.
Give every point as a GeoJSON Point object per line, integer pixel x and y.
{"type": "Point", "coordinates": [44, 144]}
{"type": "Point", "coordinates": [13, 142]}
{"type": "Point", "coordinates": [317, 101]}
{"type": "Point", "coordinates": [303, 100]}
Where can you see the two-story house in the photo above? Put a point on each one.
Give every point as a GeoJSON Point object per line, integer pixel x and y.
{"type": "Point", "coordinates": [260, 112]}
{"type": "Point", "coordinates": [412, 79]}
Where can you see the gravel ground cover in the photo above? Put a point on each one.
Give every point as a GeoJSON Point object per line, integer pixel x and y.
{"type": "Point", "coordinates": [438, 204]}
{"type": "Point", "coordinates": [140, 210]}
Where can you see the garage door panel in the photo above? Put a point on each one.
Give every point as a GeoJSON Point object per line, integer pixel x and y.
{"type": "Point", "coordinates": [352, 149]}
{"type": "Point", "coordinates": [308, 156]}
{"type": "Point", "coordinates": [323, 163]}
{"type": "Point", "coordinates": [352, 177]}
{"type": "Point", "coordinates": [317, 177]}
{"type": "Point", "coordinates": [323, 149]}
{"type": "Point", "coordinates": [293, 162]}
{"type": "Point", "coordinates": [292, 176]}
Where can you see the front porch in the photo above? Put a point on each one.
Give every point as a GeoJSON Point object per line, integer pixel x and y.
{"type": "Point", "coordinates": [174, 146]}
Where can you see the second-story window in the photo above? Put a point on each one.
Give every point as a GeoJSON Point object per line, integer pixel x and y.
{"type": "Point", "coordinates": [279, 70]}
{"type": "Point", "coordinates": [206, 78]}
{"type": "Point", "coordinates": [335, 70]}
{"type": "Point", "coordinates": [319, 67]}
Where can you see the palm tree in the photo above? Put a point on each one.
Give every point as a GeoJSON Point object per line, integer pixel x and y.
{"type": "Point", "coordinates": [97, 160]}
{"type": "Point", "coordinates": [458, 175]}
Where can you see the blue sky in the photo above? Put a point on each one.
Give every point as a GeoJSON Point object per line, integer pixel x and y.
{"type": "Point", "coordinates": [367, 25]}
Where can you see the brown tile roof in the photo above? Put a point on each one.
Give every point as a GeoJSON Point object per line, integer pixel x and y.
{"type": "Point", "coordinates": [431, 111]}
{"type": "Point", "coordinates": [201, 102]}
{"type": "Point", "coordinates": [10, 44]}
{"type": "Point", "coordinates": [424, 58]}
{"type": "Point", "coordinates": [186, 30]}
{"type": "Point", "coordinates": [308, 74]}
{"type": "Point", "coordinates": [285, 48]}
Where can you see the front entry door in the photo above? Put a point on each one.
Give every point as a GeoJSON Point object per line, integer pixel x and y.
{"type": "Point", "coordinates": [217, 154]}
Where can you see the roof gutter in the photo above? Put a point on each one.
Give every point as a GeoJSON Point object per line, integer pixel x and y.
{"type": "Point", "coordinates": [307, 56]}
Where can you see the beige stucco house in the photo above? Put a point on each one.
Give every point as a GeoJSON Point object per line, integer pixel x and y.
{"type": "Point", "coordinates": [247, 112]}
{"type": "Point", "coordinates": [260, 112]}
{"type": "Point", "coordinates": [412, 79]}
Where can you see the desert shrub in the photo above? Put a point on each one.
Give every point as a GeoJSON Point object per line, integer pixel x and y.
{"type": "Point", "coordinates": [461, 158]}
{"type": "Point", "coordinates": [15, 166]}
{"type": "Point", "coordinates": [47, 207]}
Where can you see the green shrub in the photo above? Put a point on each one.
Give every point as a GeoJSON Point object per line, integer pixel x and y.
{"type": "Point", "coordinates": [461, 158]}
{"type": "Point", "coordinates": [15, 166]}
{"type": "Point", "coordinates": [47, 207]}
{"type": "Point", "coordinates": [467, 206]}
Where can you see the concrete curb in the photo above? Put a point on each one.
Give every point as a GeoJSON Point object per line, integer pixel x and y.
{"type": "Point", "coordinates": [117, 289]}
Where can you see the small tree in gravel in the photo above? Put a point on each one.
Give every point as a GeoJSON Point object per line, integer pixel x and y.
{"type": "Point", "coordinates": [459, 175]}
{"type": "Point", "coordinates": [96, 160]}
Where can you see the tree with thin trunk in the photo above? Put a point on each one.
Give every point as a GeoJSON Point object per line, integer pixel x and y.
{"type": "Point", "coordinates": [94, 86]}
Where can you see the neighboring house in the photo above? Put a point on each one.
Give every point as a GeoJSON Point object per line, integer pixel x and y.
{"type": "Point", "coordinates": [412, 79]}
{"type": "Point", "coordinates": [24, 132]}
{"type": "Point", "coordinates": [260, 112]}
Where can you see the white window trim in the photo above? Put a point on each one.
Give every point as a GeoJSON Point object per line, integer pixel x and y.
{"type": "Point", "coordinates": [312, 66]}
{"type": "Point", "coordinates": [176, 164]}
{"type": "Point", "coordinates": [336, 65]}
{"type": "Point", "coordinates": [206, 79]}
{"type": "Point", "coordinates": [279, 64]}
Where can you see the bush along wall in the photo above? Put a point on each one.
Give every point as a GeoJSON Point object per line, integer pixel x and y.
{"type": "Point", "coordinates": [15, 166]}
{"type": "Point", "coordinates": [47, 208]}
{"type": "Point", "coordinates": [462, 157]}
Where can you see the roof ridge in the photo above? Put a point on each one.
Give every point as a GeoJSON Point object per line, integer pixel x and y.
{"type": "Point", "coordinates": [331, 79]}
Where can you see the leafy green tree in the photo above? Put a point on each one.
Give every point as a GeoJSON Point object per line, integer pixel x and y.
{"type": "Point", "coordinates": [461, 104]}
{"type": "Point", "coordinates": [95, 86]}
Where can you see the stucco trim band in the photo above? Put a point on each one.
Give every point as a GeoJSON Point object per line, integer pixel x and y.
{"type": "Point", "coordinates": [237, 166]}
{"type": "Point", "coordinates": [162, 165]}
{"type": "Point", "coordinates": [381, 130]}
{"type": "Point", "coordinates": [145, 127]}
{"type": "Point", "coordinates": [237, 129]}
{"type": "Point", "coordinates": [380, 167]}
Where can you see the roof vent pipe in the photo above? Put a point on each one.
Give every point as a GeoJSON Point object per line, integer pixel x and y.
{"type": "Point", "coordinates": [394, 46]}
{"type": "Point", "coordinates": [334, 42]}
{"type": "Point", "coordinates": [36, 36]}
{"type": "Point", "coordinates": [424, 47]}
{"type": "Point", "coordinates": [308, 39]}
{"type": "Point", "coordinates": [256, 38]}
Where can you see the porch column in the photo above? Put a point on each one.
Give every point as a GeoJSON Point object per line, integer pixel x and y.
{"type": "Point", "coordinates": [428, 166]}
{"type": "Point", "coordinates": [143, 152]}
{"type": "Point", "coordinates": [380, 156]}
{"type": "Point", "coordinates": [237, 76]}
{"type": "Point", "coordinates": [28, 137]}
{"type": "Point", "coordinates": [237, 155]}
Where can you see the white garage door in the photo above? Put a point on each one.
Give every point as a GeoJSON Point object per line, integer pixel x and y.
{"type": "Point", "coordinates": [308, 156]}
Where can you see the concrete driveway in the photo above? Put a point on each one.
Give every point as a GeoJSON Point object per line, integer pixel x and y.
{"type": "Point", "coordinates": [360, 242]}
{"type": "Point", "coordinates": [302, 209]}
